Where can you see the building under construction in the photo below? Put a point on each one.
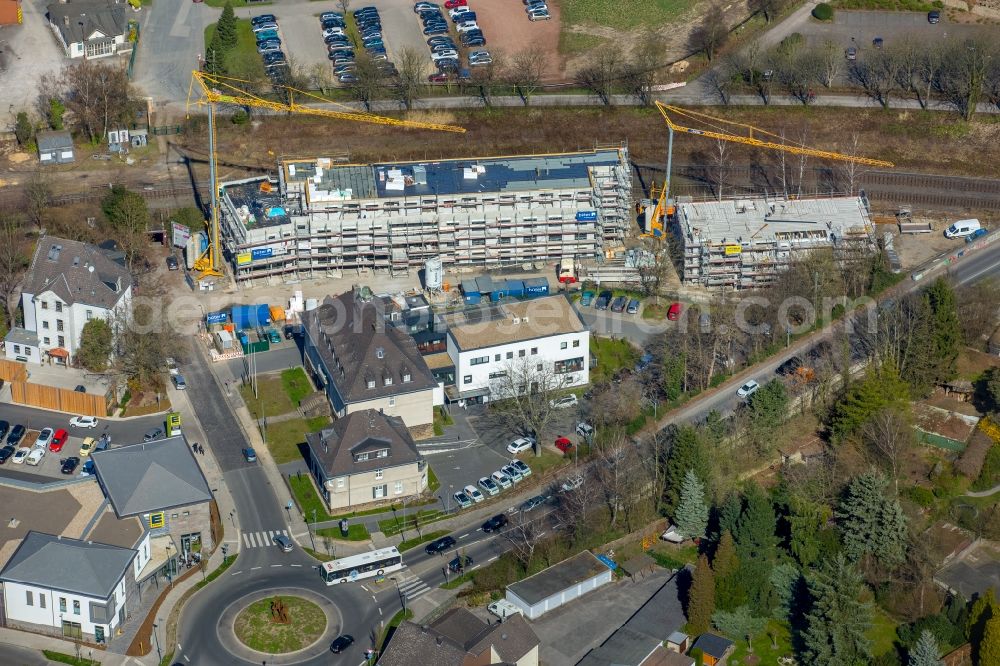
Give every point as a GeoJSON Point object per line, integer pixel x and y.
{"type": "Point", "coordinates": [744, 243]}
{"type": "Point", "coordinates": [323, 218]}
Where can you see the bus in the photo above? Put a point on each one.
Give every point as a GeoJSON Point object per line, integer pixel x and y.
{"type": "Point", "coordinates": [365, 565]}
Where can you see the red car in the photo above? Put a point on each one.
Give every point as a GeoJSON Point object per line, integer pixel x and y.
{"type": "Point", "coordinates": [563, 444]}
{"type": "Point", "coordinates": [440, 77]}
{"type": "Point", "coordinates": [451, 4]}
{"type": "Point", "coordinates": [58, 439]}
{"type": "Point", "coordinates": [674, 312]}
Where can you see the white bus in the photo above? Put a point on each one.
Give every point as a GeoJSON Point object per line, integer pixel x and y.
{"type": "Point", "coordinates": [365, 565]}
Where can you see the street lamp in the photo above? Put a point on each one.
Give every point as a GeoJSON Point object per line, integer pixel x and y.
{"type": "Point", "coordinates": [402, 597]}
{"type": "Point", "coordinates": [156, 639]}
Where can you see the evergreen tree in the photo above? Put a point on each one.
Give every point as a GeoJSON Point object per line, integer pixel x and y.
{"type": "Point", "coordinates": [691, 516]}
{"type": "Point", "coordinates": [838, 621]}
{"type": "Point", "coordinates": [925, 652]}
{"type": "Point", "coordinates": [805, 522]}
{"type": "Point", "coordinates": [24, 131]}
{"type": "Point", "coordinates": [215, 56]}
{"type": "Point", "coordinates": [757, 548]}
{"type": "Point", "coordinates": [96, 344]}
{"type": "Point", "coordinates": [226, 29]}
{"type": "Point", "coordinates": [701, 598]}
{"type": "Point", "coordinates": [729, 514]}
{"type": "Point", "coordinates": [984, 609]}
{"type": "Point", "coordinates": [687, 452]}
{"type": "Point", "coordinates": [785, 580]}
{"type": "Point", "coordinates": [673, 375]}
{"type": "Point", "coordinates": [989, 648]}
{"type": "Point", "coordinates": [768, 409]}
{"type": "Point", "coordinates": [729, 592]}
{"type": "Point", "coordinates": [878, 390]}
{"type": "Point", "coordinates": [947, 333]}
{"type": "Point", "coordinates": [871, 523]}
{"type": "Point", "coordinates": [740, 623]}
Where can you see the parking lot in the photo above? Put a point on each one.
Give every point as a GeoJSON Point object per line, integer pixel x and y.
{"type": "Point", "coordinates": [27, 52]}
{"type": "Point", "coordinates": [51, 463]}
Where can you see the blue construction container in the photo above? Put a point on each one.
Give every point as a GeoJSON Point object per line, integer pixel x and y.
{"type": "Point", "coordinates": [515, 288]}
{"type": "Point", "coordinates": [534, 287]}
{"type": "Point", "coordinates": [499, 291]}
{"type": "Point", "coordinates": [486, 285]}
{"type": "Point", "coordinates": [251, 316]}
{"type": "Point", "coordinates": [471, 292]}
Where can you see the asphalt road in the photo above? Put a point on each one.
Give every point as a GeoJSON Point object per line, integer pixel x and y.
{"type": "Point", "coordinates": [14, 654]}
{"type": "Point", "coordinates": [129, 431]}
{"type": "Point", "coordinates": [631, 327]}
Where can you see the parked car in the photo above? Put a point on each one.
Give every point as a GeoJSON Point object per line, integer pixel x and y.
{"type": "Point", "coordinates": [267, 35]}
{"type": "Point", "coordinates": [35, 456]}
{"type": "Point", "coordinates": [934, 16]}
{"type": "Point", "coordinates": [179, 382]}
{"type": "Point", "coordinates": [6, 453]}
{"type": "Point", "coordinates": [5, 427]}
{"type": "Point", "coordinates": [460, 563]}
{"type": "Point", "coordinates": [87, 447]}
{"type": "Point", "coordinates": [44, 437]}
{"type": "Point", "coordinates": [473, 493]}
{"type": "Point", "coordinates": [440, 77]}
{"type": "Point", "coordinates": [282, 542]}
{"type": "Point", "coordinates": [265, 26]}
{"type": "Point", "coordinates": [603, 301]}
{"type": "Point", "coordinates": [852, 53]}
{"type": "Point", "coordinates": [496, 523]}
{"type": "Point", "coordinates": [463, 500]}
{"type": "Point", "coordinates": [466, 27]}
{"type": "Point", "coordinates": [172, 263]}
{"type": "Point", "coordinates": [978, 233]}
{"type": "Point", "coordinates": [522, 467]}
{"type": "Point", "coordinates": [18, 432]}
{"type": "Point", "coordinates": [618, 305]}
{"type": "Point", "coordinates": [69, 465]}
{"type": "Point", "coordinates": [564, 444]}
{"type": "Point", "coordinates": [748, 389]}
{"type": "Point", "coordinates": [455, 12]}
{"type": "Point", "coordinates": [532, 504]}
{"type": "Point", "coordinates": [20, 455]}
{"type": "Point", "coordinates": [58, 441]}
{"type": "Point", "coordinates": [489, 486]}
{"type": "Point", "coordinates": [83, 422]}
{"type": "Point", "coordinates": [421, 6]}
{"type": "Point", "coordinates": [341, 643]}
{"type": "Point", "coordinates": [88, 468]}
{"type": "Point", "coordinates": [539, 15]}
{"type": "Point", "coordinates": [520, 444]}
{"type": "Point", "coordinates": [261, 19]}
{"type": "Point", "coordinates": [674, 311]}
{"type": "Point", "coordinates": [502, 479]}
{"type": "Point", "coordinates": [249, 454]}
{"type": "Point", "coordinates": [152, 433]}
{"type": "Point", "coordinates": [439, 545]}
{"type": "Point", "coordinates": [504, 609]}
{"type": "Point", "coordinates": [451, 4]}
{"type": "Point", "coordinates": [326, 16]}
{"type": "Point", "coordinates": [564, 402]}
{"type": "Point", "coordinates": [586, 298]}
{"type": "Point", "coordinates": [572, 483]}
{"type": "Point", "coordinates": [512, 473]}
{"type": "Point", "coordinates": [633, 306]}
{"type": "Point", "coordinates": [585, 430]}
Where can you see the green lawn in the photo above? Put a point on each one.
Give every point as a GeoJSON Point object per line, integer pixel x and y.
{"type": "Point", "coordinates": [413, 543]}
{"type": "Point", "coordinates": [271, 399]}
{"type": "Point", "coordinates": [296, 385]}
{"type": "Point", "coordinates": [307, 497]}
{"type": "Point", "coordinates": [246, 45]}
{"type": "Point", "coordinates": [882, 633]}
{"type": "Point", "coordinates": [393, 526]}
{"type": "Point", "coordinates": [235, 3]}
{"type": "Point", "coordinates": [226, 563]}
{"type": "Point", "coordinates": [432, 481]}
{"type": "Point", "coordinates": [612, 355]}
{"type": "Point", "coordinates": [888, 5]}
{"type": "Point", "coordinates": [69, 659]}
{"type": "Point", "coordinates": [284, 438]}
{"type": "Point", "coordinates": [571, 43]}
{"type": "Point", "coordinates": [763, 647]}
{"type": "Point", "coordinates": [255, 627]}
{"type": "Point", "coordinates": [623, 14]}
{"type": "Point", "coordinates": [547, 461]}
{"type": "Point", "coordinates": [356, 532]}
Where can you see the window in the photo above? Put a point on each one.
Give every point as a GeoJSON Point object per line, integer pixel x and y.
{"type": "Point", "coordinates": [76, 607]}
{"type": "Point", "coordinates": [399, 488]}
{"type": "Point", "coordinates": [467, 379]}
{"type": "Point", "coordinates": [379, 353]}
{"type": "Point", "coordinates": [62, 604]}
{"type": "Point", "coordinates": [538, 368]}
{"type": "Point", "coordinates": [498, 375]}
{"type": "Point", "coordinates": [569, 365]}
{"type": "Point", "coordinates": [340, 482]}
{"type": "Point", "coordinates": [361, 457]}
{"type": "Point", "coordinates": [59, 325]}
{"type": "Point", "coordinates": [576, 343]}
{"type": "Point", "coordinates": [479, 360]}
{"type": "Point", "coordinates": [45, 325]}
{"type": "Point", "coordinates": [534, 351]}
{"type": "Point", "coordinates": [382, 453]}
{"type": "Point", "coordinates": [29, 598]}
{"type": "Point", "coordinates": [520, 353]}
{"type": "Point", "coordinates": [371, 383]}
{"type": "Point", "coordinates": [61, 340]}
{"type": "Point", "coordinates": [496, 358]}
{"type": "Point", "coordinates": [510, 355]}
{"type": "Point", "coordinates": [58, 306]}
{"type": "Point", "coordinates": [41, 601]}
{"type": "Point", "coordinates": [47, 341]}
{"type": "Point", "coordinates": [17, 349]}
{"type": "Point", "coordinates": [44, 304]}
{"type": "Point", "coordinates": [392, 401]}
{"type": "Point", "coordinates": [379, 473]}
{"type": "Point", "coordinates": [406, 377]}
{"type": "Point", "coordinates": [90, 315]}
{"type": "Point", "coordinates": [378, 492]}
{"type": "Point", "coordinates": [563, 345]}
{"type": "Point", "coordinates": [388, 381]}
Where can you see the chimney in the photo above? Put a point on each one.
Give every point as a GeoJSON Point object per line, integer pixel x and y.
{"type": "Point", "coordinates": [66, 21]}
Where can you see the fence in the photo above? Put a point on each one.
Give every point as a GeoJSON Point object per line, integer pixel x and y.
{"type": "Point", "coordinates": [135, 48]}
{"type": "Point", "coordinates": [12, 371]}
{"type": "Point", "coordinates": [163, 130]}
{"type": "Point", "coordinates": [59, 399]}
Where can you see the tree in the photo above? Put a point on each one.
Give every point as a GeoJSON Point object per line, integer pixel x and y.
{"type": "Point", "coordinates": [984, 609]}
{"type": "Point", "coordinates": [98, 95]}
{"type": "Point", "coordinates": [142, 346]}
{"type": "Point", "coordinates": [640, 70]}
{"type": "Point", "coordinates": [486, 80]}
{"type": "Point", "coordinates": [96, 345]}
{"type": "Point", "coordinates": [55, 111]}
{"type": "Point", "coordinates": [806, 521]}
{"type": "Point", "coordinates": [739, 623]}
{"type": "Point", "coordinates": [370, 82]}
{"type": "Point", "coordinates": [875, 71]}
{"type": "Point", "coordinates": [838, 621]}
{"type": "Point", "coordinates": [525, 72]}
{"type": "Point", "coordinates": [831, 61]}
{"type": "Point", "coordinates": [757, 547]}
{"type": "Point", "coordinates": [768, 412]}
{"type": "Point", "coordinates": [711, 34]}
{"type": "Point", "coordinates": [962, 73]}
{"type": "Point", "coordinates": [225, 29]}
{"type": "Point", "coordinates": [691, 516]}
{"type": "Point", "coordinates": [215, 56]}
{"type": "Point", "coordinates": [889, 436]}
{"type": "Point", "coordinates": [344, 6]}
{"type": "Point", "coordinates": [768, 8]}
{"type": "Point", "coordinates": [989, 649]}
{"type": "Point", "coordinates": [523, 397]}
{"type": "Point", "coordinates": [786, 580]}
{"type": "Point", "coordinates": [13, 261]}
{"type": "Point", "coordinates": [701, 598]}
{"type": "Point", "coordinates": [878, 390]}
{"type": "Point", "coordinates": [947, 332]}
{"type": "Point", "coordinates": [24, 131]}
{"type": "Point", "coordinates": [871, 523]}
{"type": "Point", "coordinates": [128, 215]}
{"type": "Point", "coordinates": [322, 77]}
{"type": "Point", "coordinates": [687, 452]}
{"type": "Point", "coordinates": [926, 651]}
{"type": "Point", "coordinates": [37, 194]}
{"type": "Point", "coordinates": [523, 534]}
{"type": "Point", "coordinates": [408, 83]}
{"type": "Point", "coordinates": [729, 591]}
{"type": "Point", "coordinates": [600, 74]}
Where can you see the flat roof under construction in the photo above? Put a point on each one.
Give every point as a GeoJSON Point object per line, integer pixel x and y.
{"type": "Point", "coordinates": [738, 221]}
{"type": "Point", "coordinates": [329, 182]}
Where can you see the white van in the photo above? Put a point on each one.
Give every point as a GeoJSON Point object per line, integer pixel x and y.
{"type": "Point", "coordinates": [503, 609]}
{"type": "Point", "coordinates": [962, 228]}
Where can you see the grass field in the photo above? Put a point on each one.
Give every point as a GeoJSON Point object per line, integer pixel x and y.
{"type": "Point", "coordinates": [296, 385]}
{"type": "Point", "coordinates": [413, 543]}
{"type": "Point", "coordinates": [307, 497]}
{"type": "Point", "coordinates": [255, 628]}
{"type": "Point", "coordinates": [284, 438]}
{"type": "Point", "coordinates": [572, 43]}
{"type": "Point", "coordinates": [612, 356]}
{"type": "Point", "coordinates": [888, 5]}
{"type": "Point", "coordinates": [545, 462]}
{"type": "Point", "coordinates": [623, 14]}
{"type": "Point", "coordinates": [354, 533]}
{"type": "Point", "coordinates": [246, 45]}
{"type": "Point", "coordinates": [271, 398]}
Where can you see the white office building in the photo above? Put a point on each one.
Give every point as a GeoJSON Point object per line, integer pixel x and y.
{"type": "Point", "coordinates": [542, 340]}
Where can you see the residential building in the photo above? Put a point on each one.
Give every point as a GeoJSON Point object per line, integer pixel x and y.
{"type": "Point", "coordinates": [366, 457]}
{"type": "Point", "coordinates": [559, 584]}
{"type": "Point", "coordinates": [55, 147]}
{"type": "Point", "coordinates": [322, 218]}
{"type": "Point", "coordinates": [90, 28]}
{"type": "Point", "coordinates": [459, 638]}
{"type": "Point", "coordinates": [160, 483]}
{"type": "Point", "coordinates": [67, 284]}
{"type": "Point", "coordinates": [745, 243]}
{"type": "Point", "coordinates": [364, 361]}
{"type": "Point", "coordinates": [11, 12]}
{"type": "Point", "coordinates": [76, 588]}
{"type": "Point", "coordinates": [22, 345]}
{"type": "Point", "coordinates": [540, 340]}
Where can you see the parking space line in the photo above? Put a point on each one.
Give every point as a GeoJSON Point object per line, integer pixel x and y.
{"type": "Point", "coordinates": [254, 568]}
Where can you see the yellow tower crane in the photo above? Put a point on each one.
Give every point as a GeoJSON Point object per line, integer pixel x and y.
{"type": "Point", "coordinates": [754, 136]}
{"type": "Point", "coordinates": [216, 89]}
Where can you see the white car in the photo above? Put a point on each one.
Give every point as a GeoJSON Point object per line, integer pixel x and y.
{"type": "Point", "coordinates": [474, 493]}
{"type": "Point", "coordinates": [520, 444]}
{"type": "Point", "coordinates": [489, 486]}
{"type": "Point", "coordinates": [444, 55]}
{"type": "Point", "coordinates": [512, 473]}
{"type": "Point", "coordinates": [566, 401]}
{"type": "Point", "coordinates": [521, 467]}
{"type": "Point", "coordinates": [83, 422]}
{"type": "Point", "coordinates": [501, 479]}
{"type": "Point", "coordinates": [329, 32]}
{"type": "Point", "coordinates": [35, 456]}
{"type": "Point", "coordinates": [20, 455]}
{"type": "Point", "coordinates": [44, 437]}
{"type": "Point", "coordinates": [585, 430]}
{"type": "Point", "coordinates": [539, 15]}
{"type": "Point", "coordinates": [748, 389]}
{"type": "Point", "coordinates": [455, 11]}
{"type": "Point", "coordinates": [468, 27]}
{"type": "Point", "coordinates": [572, 484]}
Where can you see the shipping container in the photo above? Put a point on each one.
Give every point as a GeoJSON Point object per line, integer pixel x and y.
{"type": "Point", "coordinates": [534, 287]}
{"type": "Point", "coordinates": [251, 316]}
{"type": "Point", "coordinates": [485, 285]}
{"type": "Point", "coordinates": [515, 288]}
{"type": "Point", "coordinates": [471, 292]}
{"type": "Point", "coordinates": [499, 291]}
{"type": "Point", "coordinates": [223, 341]}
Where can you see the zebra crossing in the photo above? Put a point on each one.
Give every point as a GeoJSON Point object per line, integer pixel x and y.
{"type": "Point", "coordinates": [412, 588]}
{"type": "Point", "coordinates": [261, 539]}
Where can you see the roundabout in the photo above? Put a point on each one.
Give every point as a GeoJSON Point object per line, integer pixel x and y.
{"type": "Point", "coordinates": [280, 624]}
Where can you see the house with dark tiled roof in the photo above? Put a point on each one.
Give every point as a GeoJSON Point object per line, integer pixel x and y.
{"type": "Point", "coordinates": [90, 28]}
{"type": "Point", "coordinates": [459, 638]}
{"type": "Point", "coordinates": [68, 284]}
{"type": "Point", "coordinates": [365, 457]}
{"type": "Point", "coordinates": [364, 360]}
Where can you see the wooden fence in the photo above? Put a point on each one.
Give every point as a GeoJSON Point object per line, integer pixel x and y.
{"type": "Point", "coordinates": [59, 399]}
{"type": "Point", "coordinates": [12, 371]}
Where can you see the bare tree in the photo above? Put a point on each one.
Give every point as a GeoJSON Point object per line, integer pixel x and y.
{"type": "Point", "coordinates": [797, 72]}
{"type": "Point", "coordinates": [601, 74]}
{"type": "Point", "coordinates": [410, 80]}
{"type": "Point", "coordinates": [831, 58]}
{"type": "Point", "coordinates": [963, 72]}
{"type": "Point", "coordinates": [525, 72]}
{"type": "Point", "coordinates": [889, 437]}
{"type": "Point", "coordinates": [523, 533]}
{"type": "Point", "coordinates": [523, 394]}
{"type": "Point", "coordinates": [852, 171]}
{"type": "Point", "coordinates": [617, 404]}
{"type": "Point", "coordinates": [37, 193]}
{"type": "Point", "coordinates": [720, 162]}
{"type": "Point", "coordinates": [98, 94]}
{"type": "Point", "coordinates": [344, 6]}
{"type": "Point", "coordinates": [486, 80]}
{"type": "Point", "coordinates": [370, 83]}
{"type": "Point", "coordinates": [909, 54]}
{"type": "Point", "coordinates": [13, 261]}
{"type": "Point", "coordinates": [711, 34]}
{"type": "Point", "coordinates": [721, 79]}
{"type": "Point", "coordinates": [575, 505]}
{"type": "Point", "coordinates": [321, 77]}
{"type": "Point", "coordinates": [927, 73]}
{"type": "Point", "coordinates": [875, 71]}
{"type": "Point", "coordinates": [612, 470]}
{"type": "Point", "coordinates": [768, 8]}
{"type": "Point", "coordinates": [656, 269]}
{"type": "Point", "coordinates": [640, 70]}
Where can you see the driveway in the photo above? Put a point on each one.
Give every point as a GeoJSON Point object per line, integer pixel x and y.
{"type": "Point", "coordinates": [172, 39]}
{"type": "Point", "coordinates": [27, 53]}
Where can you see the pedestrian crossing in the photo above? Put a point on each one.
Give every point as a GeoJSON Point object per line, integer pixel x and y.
{"type": "Point", "coordinates": [261, 539]}
{"type": "Point", "coordinates": [412, 588]}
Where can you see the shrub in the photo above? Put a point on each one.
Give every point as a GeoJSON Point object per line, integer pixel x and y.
{"type": "Point", "coordinates": [791, 43]}
{"type": "Point", "coordinates": [823, 12]}
{"type": "Point", "coordinates": [920, 496]}
{"type": "Point", "coordinates": [240, 117]}
{"type": "Point", "coordinates": [989, 476]}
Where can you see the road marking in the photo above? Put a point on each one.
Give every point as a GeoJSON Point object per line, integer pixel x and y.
{"type": "Point", "coordinates": [236, 573]}
{"type": "Point", "coordinates": [492, 558]}
{"type": "Point", "coordinates": [295, 565]}
{"type": "Point", "coordinates": [380, 612]}
{"type": "Point", "coordinates": [276, 565]}
{"type": "Point", "coordinates": [464, 535]}
{"type": "Point", "coordinates": [366, 589]}
{"type": "Point", "coordinates": [254, 568]}
{"type": "Point", "coordinates": [413, 588]}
